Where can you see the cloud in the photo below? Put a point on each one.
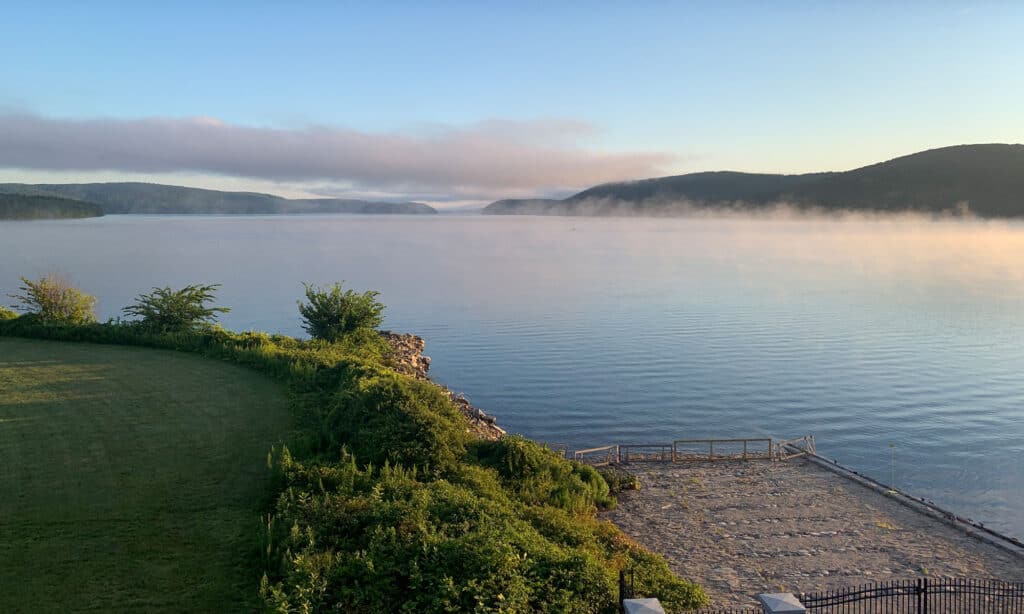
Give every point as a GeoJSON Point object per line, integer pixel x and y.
{"type": "Point", "coordinates": [487, 159]}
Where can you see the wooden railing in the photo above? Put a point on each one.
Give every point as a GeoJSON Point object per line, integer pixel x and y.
{"type": "Point", "coordinates": [742, 448]}
{"type": "Point", "coordinates": [605, 455]}
{"type": "Point", "coordinates": [785, 450]}
{"type": "Point", "coordinates": [645, 452]}
{"type": "Point", "coordinates": [738, 448]}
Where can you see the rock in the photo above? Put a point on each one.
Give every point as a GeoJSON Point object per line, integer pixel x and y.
{"type": "Point", "coordinates": [407, 358]}
{"type": "Point", "coordinates": [407, 354]}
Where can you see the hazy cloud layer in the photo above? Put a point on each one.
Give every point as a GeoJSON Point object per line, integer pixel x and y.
{"type": "Point", "coordinates": [489, 159]}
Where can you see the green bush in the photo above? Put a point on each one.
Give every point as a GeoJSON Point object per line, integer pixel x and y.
{"type": "Point", "coordinates": [332, 313]}
{"type": "Point", "coordinates": [420, 546]}
{"type": "Point", "coordinates": [619, 480]}
{"type": "Point", "coordinates": [53, 300]}
{"type": "Point", "coordinates": [539, 476]}
{"type": "Point", "coordinates": [7, 314]}
{"type": "Point", "coordinates": [386, 417]}
{"type": "Point", "coordinates": [166, 310]}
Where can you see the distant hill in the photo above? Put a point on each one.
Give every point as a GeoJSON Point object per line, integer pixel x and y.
{"type": "Point", "coordinates": [987, 180]}
{"type": "Point", "coordinates": [158, 198]}
{"type": "Point", "coordinates": [524, 206]}
{"type": "Point", "coordinates": [26, 207]}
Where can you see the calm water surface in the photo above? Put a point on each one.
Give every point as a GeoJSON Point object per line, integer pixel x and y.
{"type": "Point", "coordinates": [592, 331]}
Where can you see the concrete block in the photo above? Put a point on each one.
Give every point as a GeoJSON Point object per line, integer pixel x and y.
{"type": "Point", "coordinates": [649, 605]}
{"type": "Point", "coordinates": [781, 603]}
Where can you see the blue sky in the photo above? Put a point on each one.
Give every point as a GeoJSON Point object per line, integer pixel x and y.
{"type": "Point", "coordinates": [601, 90]}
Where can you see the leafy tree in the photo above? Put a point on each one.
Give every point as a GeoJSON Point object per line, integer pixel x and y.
{"type": "Point", "coordinates": [54, 300]}
{"type": "Point", "coordinates": [7, 314]}
{"type": "Point", "coordinates": [332, 313]}
{"type": "Point", "coordinates": [168, 310]}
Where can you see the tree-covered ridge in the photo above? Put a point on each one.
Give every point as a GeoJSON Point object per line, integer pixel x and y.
{"type": "Point", "coordinates": [382, 500]}
{"type": "Point", "coordinates": [153, 198]}
{"type": "Point", "coordinates": [30, 207]}
{"type": "Point", "coordinates": [986, 180]}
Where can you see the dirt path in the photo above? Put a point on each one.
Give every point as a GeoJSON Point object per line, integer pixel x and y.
{"type": "Point", "coordinates": [742, 528]}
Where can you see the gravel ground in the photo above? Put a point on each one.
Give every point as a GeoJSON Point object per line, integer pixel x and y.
{"type": "Point", "coordinates": [742, 528]}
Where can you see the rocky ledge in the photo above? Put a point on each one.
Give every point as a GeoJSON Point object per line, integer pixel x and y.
{"type": "Point", "coordinates": [408, 358]}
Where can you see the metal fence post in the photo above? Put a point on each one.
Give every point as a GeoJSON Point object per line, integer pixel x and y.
{"type": "Point", "coordinates": [622, 591]}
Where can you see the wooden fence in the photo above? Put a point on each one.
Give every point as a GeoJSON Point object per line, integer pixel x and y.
{"type": "Point", "coordinates": [679, 450]}
{"type": "Point", "coordinates": [801, 446]}
{"type": "Point", "coordinates": [598, 457]}
{"type": "Point", "coordinates": [743, 448]}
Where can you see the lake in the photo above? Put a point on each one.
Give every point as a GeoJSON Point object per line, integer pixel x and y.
{"type": "Point", "coordinates": [899, 343]}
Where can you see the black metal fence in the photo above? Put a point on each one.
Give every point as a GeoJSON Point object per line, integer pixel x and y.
{"type": "Point", "coordinates": [923, 595]}
{"type": "Point", "coordinates": [919, 596]}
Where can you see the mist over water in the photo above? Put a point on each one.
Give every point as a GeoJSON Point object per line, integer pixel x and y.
{"type": "Point", "coordinates": [865, 332]}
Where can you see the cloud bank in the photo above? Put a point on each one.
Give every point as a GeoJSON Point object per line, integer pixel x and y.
{"type": "Point", "coordinates": [485, 160]}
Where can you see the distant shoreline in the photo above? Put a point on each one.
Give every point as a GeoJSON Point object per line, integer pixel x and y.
{"type": "Point", "coordinates": [986, 180]}
{"type": "Point", "coordinates": [155, 198]}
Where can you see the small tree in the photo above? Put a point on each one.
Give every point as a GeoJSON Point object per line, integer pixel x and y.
{"type": "Point", "coordinates": [332, 313]}
{"type": "Point", "coordinates": [167, 310]}
{"type": "Point", "coordinates": [54, 300]}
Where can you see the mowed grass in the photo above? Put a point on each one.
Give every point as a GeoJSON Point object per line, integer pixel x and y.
{"type": "Point", "coordinates": [130, 478]}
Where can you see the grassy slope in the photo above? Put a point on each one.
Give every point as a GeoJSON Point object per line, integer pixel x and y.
{"type": "Point", "coordinates": [131, 478]}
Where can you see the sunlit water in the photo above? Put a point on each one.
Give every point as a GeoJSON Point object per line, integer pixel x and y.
{"type": "Point", "coordinates": [594, 331]}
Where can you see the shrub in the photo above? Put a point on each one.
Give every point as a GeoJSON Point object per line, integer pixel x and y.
{"type": "Point", "coordinates": [539, 476]}
{"type": "Point", "coordinates": [385, 417]}
{"type": "Point", "coordinates": [619, 480]}
{"type": "Point", "coordinates": [419, 546]}
{"type": "Point", "coordinates": [7, 314]}
{"type": "Point", "coordinates": [166, 310]}
{"type": "Point", "coordinates": [53, 300]}
{"type": "Point", "coordinates": [332, 313]}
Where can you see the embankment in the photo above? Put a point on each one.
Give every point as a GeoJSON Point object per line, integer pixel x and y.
{"type": "Point", "coordinates": [384, 500]}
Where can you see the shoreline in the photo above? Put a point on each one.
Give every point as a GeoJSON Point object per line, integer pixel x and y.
{"type": "Point", "coordinates": [741, 528]}
{"type": "Point", "coordinates": [409, 359]}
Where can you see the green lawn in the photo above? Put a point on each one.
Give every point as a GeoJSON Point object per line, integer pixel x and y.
{"type": "Point", "coordinates": [130, 478]}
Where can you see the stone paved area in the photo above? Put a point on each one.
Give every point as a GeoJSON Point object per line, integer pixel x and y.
{"type": "Point", "coordinates": [742, 528]}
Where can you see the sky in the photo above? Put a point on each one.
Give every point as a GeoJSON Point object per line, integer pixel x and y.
{"type": "Point", "coordinates": [463, 102]}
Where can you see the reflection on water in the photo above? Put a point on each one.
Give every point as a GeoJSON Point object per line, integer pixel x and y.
{"type": "Point", "coordinates": [591, 331]}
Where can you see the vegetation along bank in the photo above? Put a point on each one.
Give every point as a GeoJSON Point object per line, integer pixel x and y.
{"type": "Point", "coordinates": [385, 498]}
